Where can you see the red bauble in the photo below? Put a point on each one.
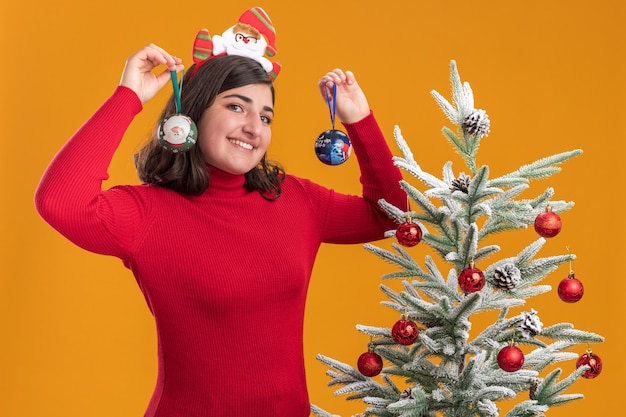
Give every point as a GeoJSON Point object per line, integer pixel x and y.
{"type": "Point", "coordinates": [405, 332]}
{"type": "Point", "coordinates": [511, 358]}
{"type": "Point", "coordinates": [471, 279]}
{"type": "Point", "coordinates": [594, 362]}
{"type": "Point", "coordinates": [571, 289]}
{"type": "Point", "coordinates": [548, 223]}
{"type": "Point", "coordinates": [370, 363]}
{"type": "Point", "coordinates": [409, 234]}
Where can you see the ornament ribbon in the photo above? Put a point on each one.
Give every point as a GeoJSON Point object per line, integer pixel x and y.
{"type": "Point", "coordinates": [332, 109]}
{"type": "Point", "coordinates": [177, 89]}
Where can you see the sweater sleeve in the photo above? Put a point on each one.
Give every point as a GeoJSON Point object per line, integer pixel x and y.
{"type": "Point", "coordinates": [359, 219]}
{"type": "Point", "coordinates": [69, 195]}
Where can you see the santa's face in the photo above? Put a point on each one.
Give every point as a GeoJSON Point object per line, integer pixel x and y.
{"type": "Point", "coordinates": [239, 41]}
{"type": "Point", "coordinates": [176, 129]}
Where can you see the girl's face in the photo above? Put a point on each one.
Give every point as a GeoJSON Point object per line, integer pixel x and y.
{"type": "Point", "coordinates": [234, 132]}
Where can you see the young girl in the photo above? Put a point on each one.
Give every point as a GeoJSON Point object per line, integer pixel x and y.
{"type": "Point", "coordinates": [221, 241]}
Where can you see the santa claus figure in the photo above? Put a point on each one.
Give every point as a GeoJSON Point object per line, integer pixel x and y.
{"type": "Point", "coordinates": [253, 36]}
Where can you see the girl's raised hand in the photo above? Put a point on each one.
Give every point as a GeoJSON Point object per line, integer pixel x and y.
{"type": "Point", "coordinates": [138, 75]}
{"type": "Point", "coordinates": [352, 104]}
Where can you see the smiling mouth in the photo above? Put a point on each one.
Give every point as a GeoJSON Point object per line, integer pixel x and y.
{"type": "Point", "coordinates": [241, 144]}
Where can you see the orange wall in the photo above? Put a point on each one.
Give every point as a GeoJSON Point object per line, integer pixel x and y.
{"type": "Point", "coordinates": [77, 339]}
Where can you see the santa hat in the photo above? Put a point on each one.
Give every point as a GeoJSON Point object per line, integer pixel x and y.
{"type": "Point", "coordinates": [257, 18]}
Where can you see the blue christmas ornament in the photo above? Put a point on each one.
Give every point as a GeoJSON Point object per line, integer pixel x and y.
{"type": "Point", "coordinates": [333, 147]}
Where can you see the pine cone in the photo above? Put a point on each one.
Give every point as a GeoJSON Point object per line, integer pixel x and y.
{"type": "Point", "coordinates": [461, 183]}
{"type": "Point", "coordinates": [407, 393]}
{"type": "Point", "coordinates": [506, 277]}
{"type": "Point", "coordinates": [533, 388]}
{"type": "Point", "coordinates": [477, 123]}
{"type": "Point", "coordinates": [531, 326]}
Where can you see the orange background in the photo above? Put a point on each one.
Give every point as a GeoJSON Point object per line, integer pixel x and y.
{"type": "Point", "coordinates": [77, 338]}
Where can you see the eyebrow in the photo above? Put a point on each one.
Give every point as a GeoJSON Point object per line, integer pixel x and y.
{"type": "Point", "coordinates": [249, 100]}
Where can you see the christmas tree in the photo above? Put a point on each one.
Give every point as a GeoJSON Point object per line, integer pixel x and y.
{"type": "Point", "coordinates": [427, 364]}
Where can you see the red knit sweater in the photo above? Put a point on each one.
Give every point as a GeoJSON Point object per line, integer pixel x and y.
{"type": "Point", "coordinates": [226, 273]}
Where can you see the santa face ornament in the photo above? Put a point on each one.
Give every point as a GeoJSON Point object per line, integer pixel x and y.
{"type": "Point", "coordinates": [178, 133]}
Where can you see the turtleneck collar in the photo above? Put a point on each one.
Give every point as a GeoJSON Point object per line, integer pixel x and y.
{"type": "Point", "coordinates": [223, 184]}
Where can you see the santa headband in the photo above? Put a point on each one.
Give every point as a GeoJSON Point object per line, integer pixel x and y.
{"type": "Point", "coordinates": [252, 36]}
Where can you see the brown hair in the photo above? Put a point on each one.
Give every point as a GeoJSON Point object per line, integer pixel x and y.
{"type": "Point", "coordinates": [186, 172]}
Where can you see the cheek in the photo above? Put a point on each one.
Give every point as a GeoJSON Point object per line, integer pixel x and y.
{"type": "Point", "coordinates": [267, 138]}
{"type": "Point", "coordinates": [206, 133]}
{"type": "Point", "coordinates": [206, 144]}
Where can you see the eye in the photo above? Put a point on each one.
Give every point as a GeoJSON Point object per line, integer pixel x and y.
{"type": "Point", "coordinates": [266, 119]}
{"type": "Point", "coordinates": [235, 107]}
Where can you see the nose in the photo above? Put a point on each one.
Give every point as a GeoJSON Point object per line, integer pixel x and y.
{"type": "Point", "coordinates": [253, 125]}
